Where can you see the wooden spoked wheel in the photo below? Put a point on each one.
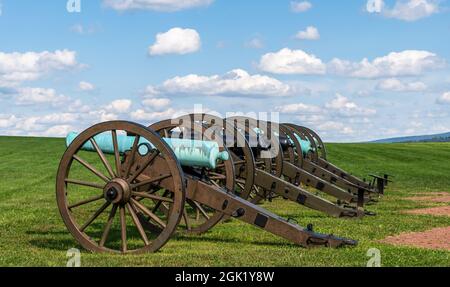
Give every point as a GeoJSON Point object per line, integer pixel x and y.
{"type": "Point", "coordinates": [103, 198]}
{"type": "Point", "coordinates": [246, 127]}
{"type": "Point", "coordinates": [320, 144]}
{"type": "Point", "coordinates": [294, 153]}
{"type": "Point", "coordinates": [309, 135]}
{"type": "Point", "coordinates": [198, 218]}
{"type": "Point", "coordinates": [315, 140]}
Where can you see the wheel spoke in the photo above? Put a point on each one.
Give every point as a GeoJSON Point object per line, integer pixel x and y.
{"type": "Point", "coordinates": [217, 177]}
{"type": "Point", "coordinates": [149, 181]}
{"type": "Point", "coordinates": [216, 174]}
{"type": "Point", "coordinates": [215, 183]}
{"type": "Point", "coordinates": [152, 196]}
{"type": "Point", "coordinates": [108, 225]}
{"type": "Point", "coordinates": [254, 191]}
{"type": "Point", "coordinates": [200, 209]}
{"type": "Point", "coordinates": [159, 203]}
{"type": "Point", "coordinates": [83, 202]}
{"type": "Point", "coordinates": [95, 215]}
{"type": "Point", "coordinates": [258, 192]}
{"type": "Point", "coordinates": [116, 153]}
{"type": "Point", "coordinates": [138, 224]}
{"type": "Point", "coordinates": [241, 181]}
{"type": "Point", "coordinates": [163, 208]}
{"type": "Point", "coordinates": [197, 214]}
{"type": "Point", "coordinates": [144, 166]}
{"type": "Point", "coordinates": [240, 185]}
{"type": "Point", "coordinates": [132, 155]}
{"type": "Point", "coordinates": [102, 157]}
{"type": "Point", "coordinates": [91, 168]}
{"type": "Point", "coordinates": [84, 183]}
{"type": "Point", "coordinates": [186, 220]}
{"type": "Point", "coordinates": [148, 213]}
{"type": "Point", "coordinates": [123, 228]}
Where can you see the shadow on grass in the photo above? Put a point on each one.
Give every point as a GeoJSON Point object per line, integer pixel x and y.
{"type": "Point", "coordinates": [48, 232]}
{"type": "Point", "coordinates": [61, 239]}
{"type": "Point", "coordinates": [202, 238]}
{"type": "Point", "coordinates": [55, 244]}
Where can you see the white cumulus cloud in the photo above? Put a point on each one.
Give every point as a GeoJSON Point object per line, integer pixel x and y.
{"type": "Point", "coordinates": [344, 107]}
{"type": "Point", "coordinates": [155, 5]}
{"type": "Point", "coordinates": [395, 85]}
{"type": "Point", "coordinates": [311, 33]}
{"type": "Point", "coordinates": [58, 131]}
{"type": "Point", "coordinates": [119, 106]}
{"type": "Point", "coordinates": [301, 6]}
{"type": "Point", "coordinates": [31, 96]}
{"type": "Point", "coordinates": [19, 67]}
{"type": "Point", "coordinates": [7, 121]}
{"type": "Point", "coordinates": [86, 86]}
{"type": "Point", "coordinates": [298, 108]}
{"type": "Point", "coordinates": [444, 99]}
{"type": "Point", "coordinates": [287, 61]}
{"type": "Point", "coordinates": [176, 41]}
{"type": "Point", "coordinates": [153, 116]}
{"type": "Point", "coordinates": [395, 64]}
{"type": "Point", "coordinates": [413, 10]}
{"type": "Point", "coordinates": [236, 82]}
{"type": "Point", "coordinates": [156, 103]}
{"type": "Point", "coordinates": [406, 10]}
{"type": "Point", "coordinates": [336, 127]}
{"type": "Point", "coordinates": [405, 63]}
{"type": "Point", "coordinates": [375, 6]}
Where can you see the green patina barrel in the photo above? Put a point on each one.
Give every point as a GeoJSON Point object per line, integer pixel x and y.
{"type": "Point", "coordinates": [305, 145]}
{"type": "Point", "coordinates": [188, 152]}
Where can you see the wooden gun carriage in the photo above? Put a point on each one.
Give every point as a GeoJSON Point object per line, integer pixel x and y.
{"type": "Point", "coordinates": [126, 188]}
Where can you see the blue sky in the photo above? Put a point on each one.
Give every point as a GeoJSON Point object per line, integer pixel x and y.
{"type": "Point", "coordinates": [362, 70]}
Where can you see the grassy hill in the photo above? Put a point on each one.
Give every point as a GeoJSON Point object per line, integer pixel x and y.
{"type": "Point", "coordinates": [32, 232]}
{"type": "Point", "coordinates": [445, 137]}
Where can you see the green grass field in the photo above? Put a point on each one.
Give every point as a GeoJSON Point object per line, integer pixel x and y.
{"type": "Point", "coordinates": [33, 234]}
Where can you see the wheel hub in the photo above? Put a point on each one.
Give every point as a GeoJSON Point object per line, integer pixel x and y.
{"type": "Point", "coordinates": [111, 194]}
{"type": "Point", "coordinates": [117, 191]}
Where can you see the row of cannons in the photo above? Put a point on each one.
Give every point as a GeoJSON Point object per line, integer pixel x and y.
{"type": "Point", "coordinates": [126, 188]}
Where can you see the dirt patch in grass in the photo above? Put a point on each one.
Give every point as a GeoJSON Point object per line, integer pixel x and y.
{"type": "Point", "coordinates": [435, 197]}
{"type": "Point", "coordinates": [436, 238]}
{"type": "Point", "coordinates": [431, 193]}
{"type": "Point", "coordinates": [437, 211]}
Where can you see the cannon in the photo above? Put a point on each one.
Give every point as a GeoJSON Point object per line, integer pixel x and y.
{"type": "Point", "coordinates": [258, 178]}
{"type": "Point", "coordinates": [351, 201]}
{"type": "Point", "coordinates": [122, 188]}
{"type": "Point", "coordinates": [299, 152]}
{"type": "Point", "coordinates": [304, 157]}
{"type": "Point", "coordinates": [315, 160]}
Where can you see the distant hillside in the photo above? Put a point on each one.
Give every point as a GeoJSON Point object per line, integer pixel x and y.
{"type": "Point", "coordinates": [445, 137]}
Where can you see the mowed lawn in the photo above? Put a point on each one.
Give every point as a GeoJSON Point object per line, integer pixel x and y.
{"type": "Point", "coordinates": [33, 234]}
